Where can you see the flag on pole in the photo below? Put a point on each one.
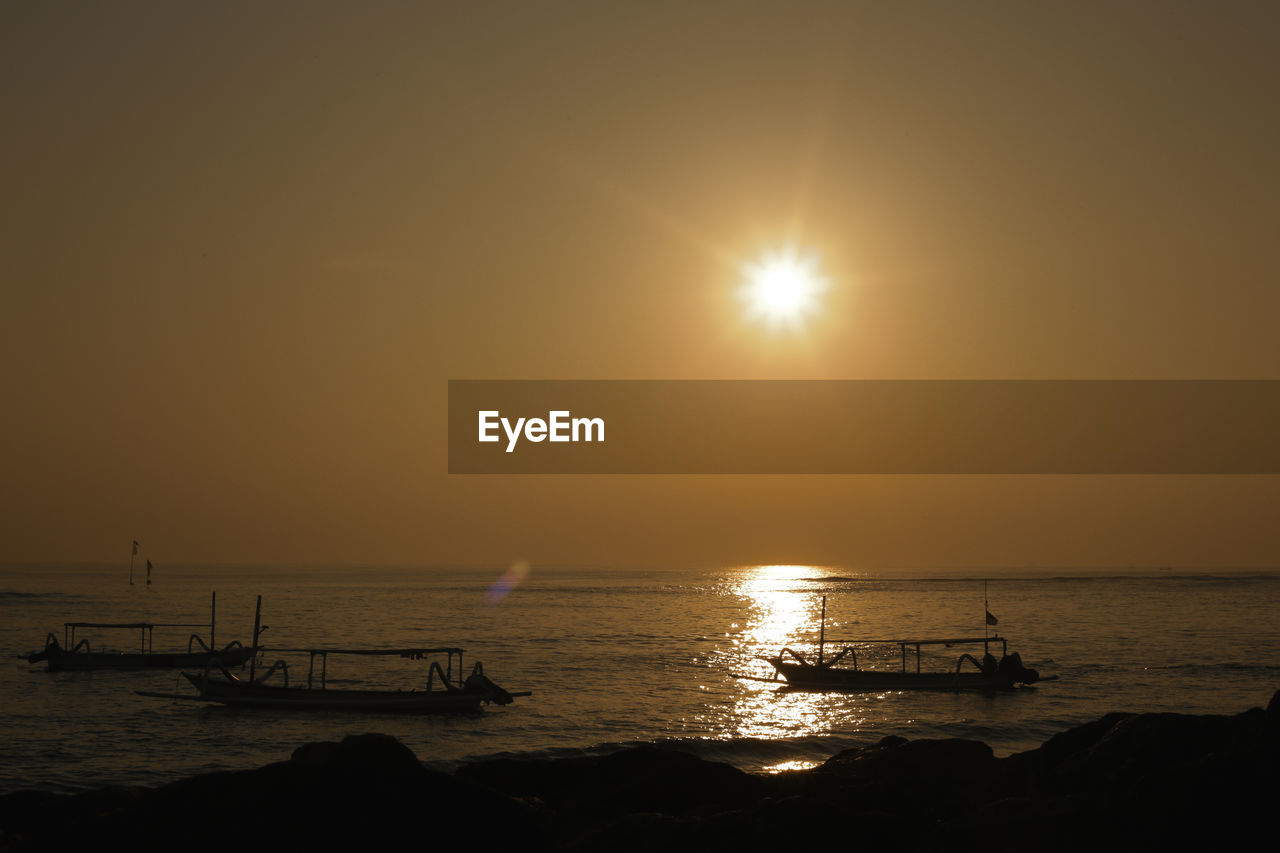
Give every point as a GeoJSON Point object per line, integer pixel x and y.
{"type": "Point", "coordinates": [991, 620]}
{"type": "Point", "coordinates": [135, 547]}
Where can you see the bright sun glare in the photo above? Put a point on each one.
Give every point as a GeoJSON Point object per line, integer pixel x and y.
{"type": "Point", "coordinates": [783, 288]}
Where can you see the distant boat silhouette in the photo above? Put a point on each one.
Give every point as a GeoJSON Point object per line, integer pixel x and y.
{"type": "Point", "coordinates": [73, 655]}
{"type": "Point", "coordinates": [445, 690]}
{"type": "Point", "coordinates": [823, 674]}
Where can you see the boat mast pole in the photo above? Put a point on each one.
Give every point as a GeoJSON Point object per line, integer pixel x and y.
{"type": "Point", "coordinates": [986, 608]}
{"type": "Point", "coordinates": [822, 630]}
{"type": "Point", "coordinates": [213, 620]}
{"type": "Point", "coordinates": [257, 622]}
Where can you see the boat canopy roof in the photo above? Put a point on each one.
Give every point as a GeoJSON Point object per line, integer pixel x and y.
{"type": "Point", "coordinates": [133, 625]}
{"type": "Point", "coordinates": [404, 653]}
{"type": "Point", "coordinates": [946, 641]}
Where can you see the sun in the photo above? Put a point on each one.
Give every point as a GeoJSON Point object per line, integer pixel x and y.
{"type": "Point", "coordinates": [783, 288]}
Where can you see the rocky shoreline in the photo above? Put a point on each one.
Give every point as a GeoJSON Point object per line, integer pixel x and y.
{"type": "Point", "coordinates": [1126, 781]}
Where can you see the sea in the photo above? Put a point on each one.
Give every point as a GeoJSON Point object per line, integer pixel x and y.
{"type": "Point", "coordinates": [613, 658]}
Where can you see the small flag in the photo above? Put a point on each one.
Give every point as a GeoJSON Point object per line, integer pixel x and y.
{"type": "Point", "coordinates": [991, 620]}
{"type": "Point", "coordinates": [135, 547]}
{"type": "Point", "coordinates": [149, 574]}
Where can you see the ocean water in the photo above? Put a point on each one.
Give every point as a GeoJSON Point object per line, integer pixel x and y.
{"type": "Point", "coordinates": [619, 657]}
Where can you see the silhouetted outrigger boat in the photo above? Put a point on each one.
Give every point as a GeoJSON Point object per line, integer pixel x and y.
{"type": "Point", "coordinates": [73, 655]}
{"type": "Point", "coordinates": [970, 673]}
{"type": "Point", "coordinates": [446, 690]}
{"type": "Point", "coordinates": [986, 674]}
{"type": "Point", "coordinates": [443, 692]}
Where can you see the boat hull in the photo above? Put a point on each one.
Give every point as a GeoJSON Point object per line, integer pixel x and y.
{"type": "Point", "coordinates": [243, 694]}
{"type": "Point", "coordinates": [64, 661]}
{"type": "Point", "coordinates": [810, 677]}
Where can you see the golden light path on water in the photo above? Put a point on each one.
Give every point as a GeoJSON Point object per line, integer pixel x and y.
{"type": "Point", "coordinates": [784, 608]}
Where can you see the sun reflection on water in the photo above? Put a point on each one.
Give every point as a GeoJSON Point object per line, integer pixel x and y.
{"type": "Point", "coordinates": [788, 766]}
{"type": "Point", "coordinates": [780, 611]}
{"type": "Point", "coordinates": [784, 607]}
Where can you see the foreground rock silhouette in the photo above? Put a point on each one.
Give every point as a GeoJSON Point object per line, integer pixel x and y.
{"type": "Point", "coordinates": [1126, 781]}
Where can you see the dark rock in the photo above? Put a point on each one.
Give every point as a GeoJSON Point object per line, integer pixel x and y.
{"type": "Point", "coordinates": [1132, 781]}
{"type": "Point", "coordinates": [639, 779]}
{"type": "Point", "coordinates": [367, 789]}
{"type": "Point", "coordinates": [942, 776]}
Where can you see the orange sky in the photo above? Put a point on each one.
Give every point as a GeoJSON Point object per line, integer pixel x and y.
{"type": "Point", "coordinates": [246, 245]}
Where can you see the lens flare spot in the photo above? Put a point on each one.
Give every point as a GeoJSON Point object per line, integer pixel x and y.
{"type": "Point", "coordinates": [510, 579]}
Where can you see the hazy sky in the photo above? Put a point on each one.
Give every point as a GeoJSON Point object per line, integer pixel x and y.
{"type": "Point", "coordinates": [245, 245]}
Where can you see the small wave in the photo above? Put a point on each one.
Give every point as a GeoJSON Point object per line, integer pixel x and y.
{"type": "Point", "coordinates": [751, 755]}
{"type": "Point", "coordinates": [1230, 666]}
{"type": "Point", "coordinates": [756, 754]}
